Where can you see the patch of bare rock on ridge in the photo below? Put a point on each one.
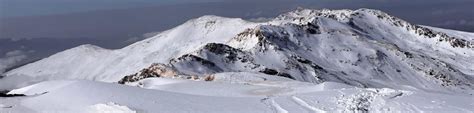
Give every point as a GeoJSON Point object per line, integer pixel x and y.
{"type": "Point", "coordinates": [161, 70]}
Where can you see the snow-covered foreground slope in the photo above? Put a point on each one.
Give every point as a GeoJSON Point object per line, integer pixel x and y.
{"type": "Point", "coordinates": [301, 61]}
{"type": "Point", "coordinates": [250, 96]}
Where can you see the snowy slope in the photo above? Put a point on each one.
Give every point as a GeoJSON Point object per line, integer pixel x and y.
{"type": "Point", "coordinates": [179, 96]}
{"type": "Point", "coordinates": [301, 61]}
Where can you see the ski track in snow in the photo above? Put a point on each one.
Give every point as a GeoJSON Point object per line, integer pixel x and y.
{"type": "Point", "coordinates": [273, 105]}
{"type": "Point", "coordinates": [278, 107]}
{"type": "Point", "coordinates": [412, 107]}
{"type": "Point", "coordinates": [302, 103]}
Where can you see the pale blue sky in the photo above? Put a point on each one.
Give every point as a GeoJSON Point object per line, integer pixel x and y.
{"type": "Point", "coordinates": [11, 8]}
{"type": "Point", "coordinates": [18, 8]}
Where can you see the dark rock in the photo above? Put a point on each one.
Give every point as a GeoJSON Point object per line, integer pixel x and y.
{"type": "Point", "coordinates": [4, 94]}
{"type": "Point", "coordinates": [269, 71]}
{"type": "Point", "coordinates": [195, 58]}
{"type": "Point", "coordinates": [399, 70]}
{"type": "Point", "coordinates": [312, 28]}
{"type": "Point", "coordinates": [286, 75]}
{"type": "Point", "coordinates": [408, 54]}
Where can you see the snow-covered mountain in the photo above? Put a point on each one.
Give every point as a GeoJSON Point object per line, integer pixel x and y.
{"type": "Point", "coordinates": [365, 48]}
{"type": "Point", "coordinates": [351, 49]}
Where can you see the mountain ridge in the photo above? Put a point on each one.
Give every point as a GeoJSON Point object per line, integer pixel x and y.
{"type": "Point", "coordinates": [356, 47]}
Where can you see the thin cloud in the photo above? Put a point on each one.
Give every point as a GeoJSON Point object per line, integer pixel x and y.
{"type": "Point", "coordinates": [259, 19]}
{"type": "Point", "coordinates": [457, 22]}
{"type": "Point", "coordinates": [11, 59]}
